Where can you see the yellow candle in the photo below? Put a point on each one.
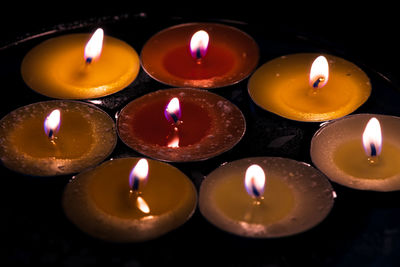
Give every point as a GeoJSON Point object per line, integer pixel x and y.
{"type": "Point", "coordinates": [101, 202]}
{"type": "Point", "coordinates": [296, 198]}
{"type": "Point", "coordinates": [85, 136]}
{"type": "Point", "coordinates": [283, 86]}
{"type": "Point", "coordinates": [338, 150]}
{"type": "Point", "coordinates": [58, 67]}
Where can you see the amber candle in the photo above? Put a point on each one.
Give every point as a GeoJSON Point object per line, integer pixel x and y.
{"type": "Point", "coordinates": [103, 202]}
{"type": "Point", "coordinates": [30, 144]}
{"type": "Point", "coordinates": [171, 58]}
{"type": "Point", "coordinates": [208, 125]}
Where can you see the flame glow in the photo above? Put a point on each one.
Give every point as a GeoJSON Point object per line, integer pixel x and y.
{"type": "Point", "coordinates": [142, 205]}
{"type": "Point", "coordinates": [52, 123]}
{"type": "Point", "coordinates": [254, 181]}
{"type": "Point", "coordinates": [94, 46]}
{"type": "Point", "coordinates": [319, 72]}
{"type": "Point", "coordinates": [174, 142]}
{"type": "Point", "coordinates": [173, 110]}
{"type": "Point", "coordinates": [372, 138]}
{"type": "Point", "coordinates": [199, 44]}
{"type": "Point", "coordinates": [138, 174]}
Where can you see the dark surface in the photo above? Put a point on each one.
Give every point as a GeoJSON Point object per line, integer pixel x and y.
{"type": "Point", "coordinates": [363, 228]}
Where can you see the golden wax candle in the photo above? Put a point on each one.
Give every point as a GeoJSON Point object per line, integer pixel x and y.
{"type": "Point", "coordinates": [282, 86]}
{"type": "Point", "coordinates": [86, 136]}
{"type": "Point", "coordinates": [337, 150]}
{"type": "Point", "coordinates": [296, 198]}
{"type": "Point", "coordinates": [57, 67]}
{"type": "Point", "coordinates": [100, 203]}
{"type": "Point", "coordinates": [230, 56]}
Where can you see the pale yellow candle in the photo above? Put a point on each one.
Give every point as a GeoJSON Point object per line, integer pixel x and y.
{"type": "Point", "coordinates": [337, 150]}
{"type": "Point", "coordinates": [296, 198]}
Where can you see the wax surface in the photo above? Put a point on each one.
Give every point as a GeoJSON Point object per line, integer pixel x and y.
{"type": "Point", "coordinates": [86, 136]}
{"type": "Point", "coordinates": [210, 125]}
{"type": "Point", "coordinates": [150, 124]}
{"type": "Point", "coordinates": [336, 149]}
{"type": "Point", "coordinates": [351, 158]}
{"type": "Point", "coordinates": [282, 87]}
{"type": "Point", "coordinates": [277, 202]}
{"type": "Point", "coordinates": [57, 68]}
{"type": "Point", "coordinates": [217, 62]}
{"type": "Point", "coordinates": [296, 198]}
{"type": "Point", "coordinates": [232, 55]}
{"type": "Point", "coordinates": [99, 201]}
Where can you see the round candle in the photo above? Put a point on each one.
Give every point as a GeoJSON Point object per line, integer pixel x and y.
{"type": "Point", "coordinates": [338, 150]}
{"type": "Point", "coordinates": [206, 125]}
{"type": "Point", "coordinates": [31, 145]}
{"type": "Point", "coordinates": [295, 197]}
{"type": "Point", "coordinates": [101, 202]}
{"type": "Point", "coordinates": [59, 67]}
{"type": "Point", "coordinates": [173, 57]}
{"type": "Point", "coordinates": [285, 87]}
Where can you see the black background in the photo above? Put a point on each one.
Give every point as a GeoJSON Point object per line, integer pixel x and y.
{"type": "Point", "coordinates": [363, 228]}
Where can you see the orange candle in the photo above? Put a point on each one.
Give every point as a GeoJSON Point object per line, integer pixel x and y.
{"type": "Point", "coordinates": [55, 138]}
{"type": "Point", "coordinates": [130, 200]}
{"type": "Point", "coordinates": [308, 87]}
{"type": "Point", "coordinates": [76, 66]}
{"type": "Point", "coordinates": [202, 55]}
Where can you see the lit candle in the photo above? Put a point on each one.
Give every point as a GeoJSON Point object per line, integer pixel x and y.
{"type": "Point", "coordinates": [360, 151]}
{"type": "Point", "coordinates": [80, 66]}
{"type": "Point", "coordinates": [202, 55]}
{"type": "Point", "coordinates": [130, 200]}
{"type": "Point", "coordinates": [181, 125]}
{"type": "Point", "coordinates": [309, 87]}
{"type": "Point", "coordinates": [55, 138]}
{"type": "Point", "coordinates": [265, 197]}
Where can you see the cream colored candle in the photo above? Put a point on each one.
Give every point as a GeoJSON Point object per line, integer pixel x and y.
{"type": "Point", "coordinates": [337, 150]}
{"type": "Point", "coordinates": [296, 198]}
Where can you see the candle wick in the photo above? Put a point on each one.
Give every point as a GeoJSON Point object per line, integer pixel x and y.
{"type": "Point", "coordinates": [89, 60]}
{"type": "Point", "coordinates": [317, 82]}
{"type": "Point", "coordinates": [373, 150]}
{"type": "Point", "coordinates": [135, 185]}
{"type": "Point", "coordinates": [174, 117]}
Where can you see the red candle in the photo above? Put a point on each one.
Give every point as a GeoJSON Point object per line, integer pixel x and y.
{"type": "Point", "coordinates": [221, 56]}
{"type": "Point", "coordinates": [196, 125]}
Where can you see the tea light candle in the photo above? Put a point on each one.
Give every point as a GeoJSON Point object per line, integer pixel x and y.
{"type": "Point", "coordinates": [55, 138]}
{"type": "Point", "coordinates": [130, 200]}
{"type": "Point", "coordinates": [181, 124]}
{"type": "Point", "coordinates": [201, 55]}
{"type": "Point", "coordinates": [76, 66]}
{"type": "Point", "coordinates": [296, 197]}
{"type": "Point", "coordinates": [308, 87]}
{"type": "Point", "coordinates": [349, 153]}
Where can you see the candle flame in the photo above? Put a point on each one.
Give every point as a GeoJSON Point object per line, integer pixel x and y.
{"type": "Point", "coordinates": [142, 205]}
{"type": "Point", "coordinates": [319, 72]}
{"type": "Point", "coordinates": [52, 123]}
{"type": "Point", "coordinates": [372, 138]}
{"type": "Point", "coordinates": [199, 44]}
{"type": "Point", "coordinates": [255, 181]}
{"type": "Point", "coordinates": [138, 174]}
{"type": "Point", "coordinates": [173, 110]}
{"type": "Point", "coordinates": [94, 46]}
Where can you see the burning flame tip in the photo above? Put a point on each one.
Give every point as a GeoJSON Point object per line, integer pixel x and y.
{"type": "Point", "coordinates": [94, 46]}
{"type": "Point", "coordinates": [199, 44]}
{"type": "Point", "coordinates": [372, 138]}
{"type": "Point", "coordinates": [255, 181]}
{"type": "Point", "coordinates": [319, 72]}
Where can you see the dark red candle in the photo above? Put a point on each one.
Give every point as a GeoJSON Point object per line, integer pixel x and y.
{"type": "Point", "coordinates": [229, 56]}
{"type": "Point", "coordinates": [206, 125]}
